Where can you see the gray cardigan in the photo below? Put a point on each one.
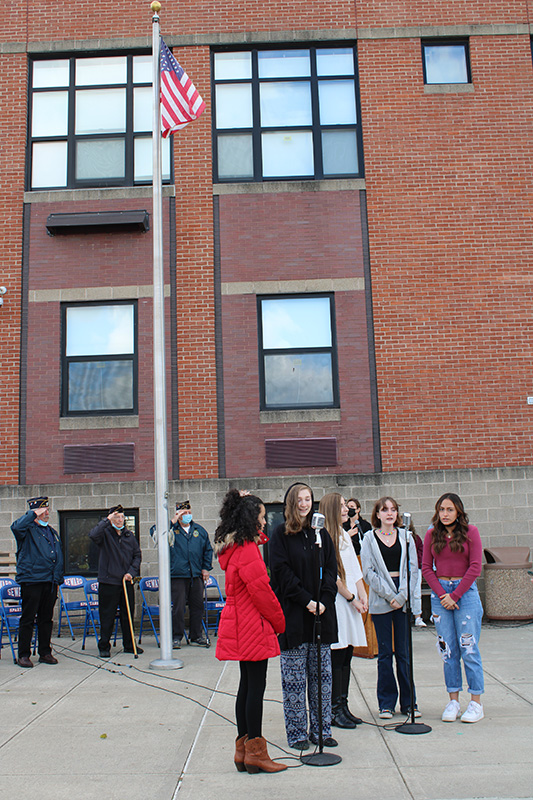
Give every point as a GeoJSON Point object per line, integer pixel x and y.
{"type": "Point", "coordinates": [381, 586]}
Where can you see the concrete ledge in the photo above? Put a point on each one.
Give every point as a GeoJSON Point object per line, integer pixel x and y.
{"type": "Point", "coordinates": [303, 415]}
{"type": "Point", "coordinates": [449, 88]}
{"type": "Point", "coordinates": [277, 187]}
{"type": "Point", "coordinates": [77, 195]}
{"type": "Point", "coordinates": [92, 423]}
{"type": "Point", "coordinates": [92, 293]}
{"type": "Point", "coordinates": [282, 287]}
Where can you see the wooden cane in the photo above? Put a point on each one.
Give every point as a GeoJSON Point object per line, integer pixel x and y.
{"type": "Point", "coordinates": [129, 617]}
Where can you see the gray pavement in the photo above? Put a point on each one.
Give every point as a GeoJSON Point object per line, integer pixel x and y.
{"type": "Point", "coordinates": [119, 730]}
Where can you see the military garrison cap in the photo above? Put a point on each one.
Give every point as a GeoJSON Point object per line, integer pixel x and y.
{"type": "Point", "coordinates": [38, 502]}
{"type": "Point", "coordinates": [119, 509]}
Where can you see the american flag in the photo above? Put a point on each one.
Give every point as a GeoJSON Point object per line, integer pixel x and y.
{"type": "Point", "coordinates": [180, 101]}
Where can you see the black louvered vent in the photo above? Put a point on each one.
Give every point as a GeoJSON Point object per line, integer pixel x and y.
{"type": "Point", "coordinates": [99, 458]}
{"type": "Point", "coordinates": [282, 453]}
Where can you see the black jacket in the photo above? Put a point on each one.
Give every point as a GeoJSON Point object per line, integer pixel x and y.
{"type": "Point", "coordinates": [118, 554]}
{"type": "Point", "coordinates": [38, 561]}
{"type": "Point", "coordinates": [293, 578]}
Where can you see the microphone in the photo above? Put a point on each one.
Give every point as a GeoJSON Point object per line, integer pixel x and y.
{"type": "Point", "coordinates": [407, 523]}
{"type": "Point", "coordinates": [317, 522]}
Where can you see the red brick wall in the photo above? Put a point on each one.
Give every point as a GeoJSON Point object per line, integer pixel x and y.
{"type": "Point", "coordinates": [391, 13]}
{"type": "Point", "coordinates": [12, 143]}
{"type": "Point", "coordinates": [292, 237]}
{"type": "Point", "coordinates": [74, 261]}
{"type": "Point", "coordinates": [449, 207]}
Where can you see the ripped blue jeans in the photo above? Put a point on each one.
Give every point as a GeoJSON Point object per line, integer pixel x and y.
{"type": "Point", "coordinates": [458, 634]}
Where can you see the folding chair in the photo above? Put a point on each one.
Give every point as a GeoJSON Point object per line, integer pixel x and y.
{"type": "Point", "coordinates": [151, 611]}
{"type": "Point", "coordinates": [215, 604]}
{"type": "Point", "coordinates": [92, 615]}
{"type": "Point", "coordinates": [75, 611]}
{"type": "Point", "coordinates": [11, 611]}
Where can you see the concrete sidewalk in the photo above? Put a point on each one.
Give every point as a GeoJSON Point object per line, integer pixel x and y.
{"type": "Point", "coordinates": [118, 730]}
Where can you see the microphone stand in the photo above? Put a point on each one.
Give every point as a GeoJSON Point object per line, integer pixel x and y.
{"type": "Point", "coordinates": [319, 759]}
{"type": "Point", "coordinates": [411, 727]}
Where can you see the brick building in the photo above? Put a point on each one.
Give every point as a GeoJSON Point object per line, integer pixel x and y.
{"type": "Point", "coordinates": [347, 241]}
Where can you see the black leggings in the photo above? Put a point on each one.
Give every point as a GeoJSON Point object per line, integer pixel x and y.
{"type": "Point", "coordinates": [341, 658]}
{"type": "Point", "coordinates": [249, 703]}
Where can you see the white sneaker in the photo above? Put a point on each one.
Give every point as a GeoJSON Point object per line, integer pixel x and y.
{"type": "Point", "coordinates": [419, 623]}
{"type": "Point", "coordinates": [473, 713]}
{"type": "Point", "coordinates": [451, 712]}
{"type": "Point", "coordinates": [386, 714]}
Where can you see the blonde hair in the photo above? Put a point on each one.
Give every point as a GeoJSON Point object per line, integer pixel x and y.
{"type": "Point", "coordinates": [330, 506]}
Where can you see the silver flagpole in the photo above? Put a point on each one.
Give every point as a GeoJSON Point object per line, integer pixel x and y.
{"type": "Point", "coordinates": [160, 418]}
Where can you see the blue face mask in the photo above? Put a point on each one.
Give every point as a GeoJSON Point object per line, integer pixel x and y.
{"type": "Point", "coordinates": [116, 527]}
{"type": "Point", "coordinates": [186, 519]}
{"type": "Point", "coordinates": [41, 522]}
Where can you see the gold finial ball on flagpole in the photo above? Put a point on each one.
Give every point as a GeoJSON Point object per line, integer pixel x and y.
{"type": "Point", "coordinates": [156, 7]}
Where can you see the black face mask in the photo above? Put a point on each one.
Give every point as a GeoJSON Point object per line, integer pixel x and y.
{"type": "Point", "coordinates": [352, 512]}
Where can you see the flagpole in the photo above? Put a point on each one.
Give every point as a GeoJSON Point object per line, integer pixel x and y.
{"type": "Point", "coordinates": [160, 418]}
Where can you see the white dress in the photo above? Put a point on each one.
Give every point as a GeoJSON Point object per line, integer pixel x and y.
{"type": "Point", "coordinates": [349, 620]}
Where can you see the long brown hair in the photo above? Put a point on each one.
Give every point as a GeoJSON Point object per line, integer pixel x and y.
{"type": "Point", "coordinates": [330, 506]}
{"type": "Point", "coordinates": [293, 521]}
{"type": "Point", "coordinates": [460, 527]}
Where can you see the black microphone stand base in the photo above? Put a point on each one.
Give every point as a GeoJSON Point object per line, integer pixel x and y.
{"type": "Point", "coordinates": [412, 727]}
{"type": "Point", "coordinates": [321, 759]}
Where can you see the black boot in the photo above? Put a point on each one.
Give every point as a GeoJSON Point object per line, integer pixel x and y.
{"type": "Point", "coordinates": [345, 681]}
{"type": "Point", "coordinates": [338, 717]}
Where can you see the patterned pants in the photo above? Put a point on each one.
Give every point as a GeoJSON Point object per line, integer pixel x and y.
{"type": "Point", "coordinates": [298, 673]}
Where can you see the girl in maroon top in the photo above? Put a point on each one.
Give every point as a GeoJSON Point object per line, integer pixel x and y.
{"type": "Point", "coordinates": [451, 563]}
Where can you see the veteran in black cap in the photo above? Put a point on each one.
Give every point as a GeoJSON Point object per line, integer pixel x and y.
{"type": "Point", "coordinates": [120, 558]}
{"type": "Point", "coordinates": [39, 573]}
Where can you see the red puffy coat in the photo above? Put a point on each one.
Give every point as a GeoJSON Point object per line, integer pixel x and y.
{"type": "Point", "coordinates": [252, 615]}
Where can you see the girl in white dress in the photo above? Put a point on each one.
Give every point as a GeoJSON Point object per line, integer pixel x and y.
{"type": "Point", "coordinates": [350, 603]}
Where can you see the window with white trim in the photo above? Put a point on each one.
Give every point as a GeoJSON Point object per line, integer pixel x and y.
{"type": "Point", "coordinates": [286, 113]}
{"type": "Point", "coordinates": [90, 122]}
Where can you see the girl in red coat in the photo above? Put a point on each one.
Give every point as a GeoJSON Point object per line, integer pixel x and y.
{"type": "Point", "coordinates": [250, 622]}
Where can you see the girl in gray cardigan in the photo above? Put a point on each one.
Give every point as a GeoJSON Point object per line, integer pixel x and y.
{"type": "Point", "coordinates": [384, 561]}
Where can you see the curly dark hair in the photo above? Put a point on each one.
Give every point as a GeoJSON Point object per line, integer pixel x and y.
{"type": "Point", "coordinates": [238, 516]}
{"type": "Point", "coordinates": [459, 531]}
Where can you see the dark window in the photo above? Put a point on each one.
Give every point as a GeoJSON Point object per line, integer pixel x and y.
{"type": "Point", "coordinates": [291, 113]}
{"type": "Point", "coordinates": [99, 370]}
{"type": "Point", "coordinates": [446, 61]}
{"type": "Point", "coordinates": [298, 364]}
{"type": "Point", "coordinates": [90, 122]}
{"type": "Point", "coordinates": [81, 554]}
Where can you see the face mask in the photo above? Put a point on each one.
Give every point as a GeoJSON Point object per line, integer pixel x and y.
{"type": "Point", "coordinates": [41, 522]}
{"type": "Point", "coordinates": [116, 527]}
{"type": "Point", "coordinates": [186, 519]}
{"type": "Point", "coordinates": [352, 512]}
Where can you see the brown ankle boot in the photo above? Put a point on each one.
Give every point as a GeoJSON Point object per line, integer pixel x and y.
{"type": "Point", "coordinates": [256, 757]}
{"type": "Point", "coordinates": [239, 753]}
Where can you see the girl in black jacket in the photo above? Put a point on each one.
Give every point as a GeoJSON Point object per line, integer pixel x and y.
{"type": "Point", "coordinates": [293, 577]}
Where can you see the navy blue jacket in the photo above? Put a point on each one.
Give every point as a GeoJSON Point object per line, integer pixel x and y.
{"type": "Point", "coordinates": [118, 554]}
{"type": "Point", "coordinates": [191, 552]}
{"type": "Point", "coordinates": [38, 561]}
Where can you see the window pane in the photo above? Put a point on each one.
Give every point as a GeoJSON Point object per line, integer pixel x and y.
{"type": "Point", "coordinates": [99, 330]}
{"type": "Point", "coordinates": [81, 555]}
{"type": "Point", "coordinates": [97, 159]}
{"type": "Point", "coordinates": [232, 66]}
{"type": "Point", "coordinates": [337, 102]}
{"type": "Point", "coordinates": [100, 386]}
{"type": "Point", "coordinates": [287, 154]}
{"type": "Point", "coordinates": [49, 164]}
{"type": "Point", "coordinates": [51, 73]}
{"type": "Point", "coordinates": [235, 158]}
{"type": "Point", "coordinates": [298, 380]}
{"type": "Point", "coordinates": [234, 105]}
{"type": "Point", "coordinates": [285, 103]}
{"type": "Point", "coordinates": [101, 111]}
{"type": "Point", "coordinates": [445, 63]}
{"type": "Point", "coordinates": [96, 71]}
{"type": "Point", "coordinates": [142, 109]}
{"type": "Point", "coordinates": [339, 152]}
{"type": "Point", "coordinates": [143, 163]}
{"type": "Point", "coordinates": [49, 114]}
{"type": "Point", "coordinates": [296, 322]}
{"type": "Point", "coordinates": [284, 64]}
{"type": "Point", "coordinates": [142, 69]}
{"type": "Point", "coordinates": [335, 61]}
